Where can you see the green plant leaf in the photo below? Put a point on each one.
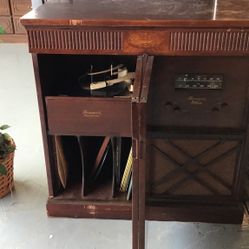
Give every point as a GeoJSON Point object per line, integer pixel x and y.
{"type": "Point", "coordinates": [3, 170]}
{"type": "Point", "coordinates": [11, 149]}
{"type": "Point", "coordinates": [1, 138]}
{"type": "Point", "coordinates": [4, 127]}
{"type": "Point", "coordinates": [7, 136]}
{"type": "Point", "coordinates": [3, 155]}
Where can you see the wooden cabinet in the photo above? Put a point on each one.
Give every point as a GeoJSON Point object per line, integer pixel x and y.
{"type": "Point", "coordinates": [10, 13]}
{"type": "Point", "coordinates": [186, 119]}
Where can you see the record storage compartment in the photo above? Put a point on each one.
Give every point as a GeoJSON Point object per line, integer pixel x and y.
{"type": "Point", "coordinates": [77, 125]}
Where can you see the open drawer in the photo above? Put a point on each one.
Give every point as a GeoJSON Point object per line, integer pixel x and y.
{"type": "Point", "coordinates": [84, 116]}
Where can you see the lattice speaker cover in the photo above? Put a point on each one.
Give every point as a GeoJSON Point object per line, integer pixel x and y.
{"type": "Point", "coordinates": [192, 167]}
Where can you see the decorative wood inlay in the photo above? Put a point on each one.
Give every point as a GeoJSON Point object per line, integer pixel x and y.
{"type": "Point", "coordinates": [146, 40]}
{"type": "Point", "coordinates": [4, 7]}
{"type": "Point", "coordinates": [209, 41]}
{"type": "Point", "coordinates": [75, 40]}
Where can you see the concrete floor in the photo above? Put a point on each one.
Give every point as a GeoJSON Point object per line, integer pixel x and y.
{"type": "Point", "coordinates": [23, 220]}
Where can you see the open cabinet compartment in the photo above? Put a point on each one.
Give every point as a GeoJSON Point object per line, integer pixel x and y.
{"type": "Point", "coordinates": [94, 166]}
{"type": "Point", "coordinates": [60, 74]}
{"type": "Point", "coordinates": [71, 110]}
{"type": "Point", "coordinates": [83, 122]}
{"type": "Point", "coordinates": [88, 183]}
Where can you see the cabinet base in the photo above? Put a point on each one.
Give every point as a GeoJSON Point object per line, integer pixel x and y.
{"type": "Point", "coordinates": [85, 209]}
{"type": "Point", "coordinates": [229, 214]}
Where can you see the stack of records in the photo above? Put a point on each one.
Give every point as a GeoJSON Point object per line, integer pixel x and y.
{"type": "Point", "coordinates": [126, 182]}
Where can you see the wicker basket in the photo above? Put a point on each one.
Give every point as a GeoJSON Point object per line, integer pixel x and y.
{"type": "Point", "coordinates": [7, 181]}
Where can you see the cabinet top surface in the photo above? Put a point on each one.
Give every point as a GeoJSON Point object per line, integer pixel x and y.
{"type": "Point", "coordinates": [139, 12]}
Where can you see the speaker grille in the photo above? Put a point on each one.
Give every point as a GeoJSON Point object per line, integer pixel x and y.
{"type": "Point", "coordinates": [192, 167]}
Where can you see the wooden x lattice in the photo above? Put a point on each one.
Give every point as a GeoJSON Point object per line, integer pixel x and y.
{"type": "Point", "coordinates": [193, 174]}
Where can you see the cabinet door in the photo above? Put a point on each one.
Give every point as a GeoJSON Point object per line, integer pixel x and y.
{"type": "Point", "coordinates": [6, 25]}
{"type": "Point", "coordinates": [20, 7]}
{"type": "Point", "coordinates": [139, 152]}
{"type": "Point", "coordinates": [4, 7]}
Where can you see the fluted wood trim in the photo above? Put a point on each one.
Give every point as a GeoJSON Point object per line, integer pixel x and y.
{"type": "Point", "coordinates": [209, 41]}
{"type": "Point", "coordinates": [56, 39]}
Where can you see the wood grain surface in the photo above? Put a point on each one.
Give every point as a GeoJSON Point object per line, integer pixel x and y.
{"type": "Point", "coordinates": [140, 12]}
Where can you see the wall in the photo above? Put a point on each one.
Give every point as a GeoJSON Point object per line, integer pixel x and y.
{"type": "Point", "coordinates": [36, 3]}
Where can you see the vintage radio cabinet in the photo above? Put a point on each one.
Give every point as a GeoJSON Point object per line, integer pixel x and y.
{"type": "Point", "coordinates": [187, 118]}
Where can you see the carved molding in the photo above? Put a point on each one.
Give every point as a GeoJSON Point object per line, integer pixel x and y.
{"type": "Point", "coordinates": [209, 41]}
{"type": "Point", "coordinates": [62, 39]}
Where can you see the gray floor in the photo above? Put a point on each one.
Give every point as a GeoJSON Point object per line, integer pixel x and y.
{"type": "Point", "coordinates": [23, 220]}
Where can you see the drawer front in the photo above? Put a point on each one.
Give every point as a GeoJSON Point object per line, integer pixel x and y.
{"type": "Point", "coordinates": [6, 25]}
{"type": "Point", "coordinates": [4, 7]}
{"type": "Point", "coordinates": [20, 7]}
{"type": "Point", "coordinates": [19, 29]}
{"type": "Point", "coordinates": [88, 116]}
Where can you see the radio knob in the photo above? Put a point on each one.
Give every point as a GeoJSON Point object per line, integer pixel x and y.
{"type": "Point", "coordinates": [169, 105]}
{"type": "Point", "coordinates": [215, 109]}
{"type": "Point", "coordinates": [177, 109]}
{"type": "Point", "coordinates": [223, 105]}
